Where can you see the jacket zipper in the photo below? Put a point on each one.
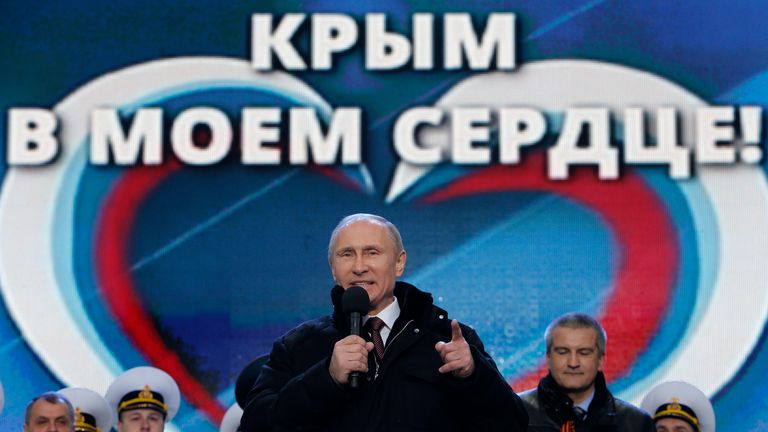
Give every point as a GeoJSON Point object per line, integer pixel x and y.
{"type": "Point", "coordinates": [376, 374]}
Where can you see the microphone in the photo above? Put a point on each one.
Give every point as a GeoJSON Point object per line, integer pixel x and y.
{"type": "Point", "coordinates": [355, 303]}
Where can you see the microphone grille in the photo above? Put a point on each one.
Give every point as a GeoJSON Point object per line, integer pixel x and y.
{"type": "Point", "coordinates": [355, 299]}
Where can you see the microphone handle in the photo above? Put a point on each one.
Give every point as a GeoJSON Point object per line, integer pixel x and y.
{"type": "Point", "coordinates": [355, 319]}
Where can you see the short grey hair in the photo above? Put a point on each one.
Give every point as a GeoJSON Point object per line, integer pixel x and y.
{"type": "Point", "coordinates": [394, 234]}
{"type": "Point", "coordinates": [577, 320]}
{"type": "Point", "coordinates": [52, 398]}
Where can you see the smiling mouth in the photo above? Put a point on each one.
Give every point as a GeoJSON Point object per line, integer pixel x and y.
{"type": "Point", "coordinates": [362, 283]}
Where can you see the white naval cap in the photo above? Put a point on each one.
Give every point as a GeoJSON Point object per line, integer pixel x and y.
{"type": "Point", "coordinates": [92, 411]}
{"type": "Point", "coordinates": [680, 400]}
{"type": "Point", "coordinates": [144, 387]}
{"type": "Point", "coordinates": [231, 420]}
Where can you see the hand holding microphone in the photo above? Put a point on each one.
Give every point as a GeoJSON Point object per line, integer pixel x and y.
{"type": "Point", "coordinates": [350, 355]}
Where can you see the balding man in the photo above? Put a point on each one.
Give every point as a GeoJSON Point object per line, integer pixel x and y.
{"type": "Point", "coordinates": [419, 369]}
{"type": "Point", "coordinates": [49, 412]}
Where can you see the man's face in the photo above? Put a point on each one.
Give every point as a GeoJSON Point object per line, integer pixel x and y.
{"type": "Point", "coordinates": [49, 417]}
{"type": "Point", "coordinates": [573, 359]}
{"type": "Point", "coordinates": [673, 425]}
{"type": "Point", "coordinates": [364, 255]}
{"type": "Point", "coordinates": [141, 420]}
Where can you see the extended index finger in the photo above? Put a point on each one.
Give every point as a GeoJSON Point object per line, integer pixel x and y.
{"type": "Point", "coordinates": [456, 331]}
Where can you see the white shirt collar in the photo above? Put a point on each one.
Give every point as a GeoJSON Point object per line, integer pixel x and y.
{"type": "Point", "coordinates": [585, 403]}
{"type": "Point", "coordinates": [389, 314]}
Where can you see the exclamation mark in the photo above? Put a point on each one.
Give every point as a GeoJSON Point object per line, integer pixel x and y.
{"type": "Point", "coordinates": [751, 131]}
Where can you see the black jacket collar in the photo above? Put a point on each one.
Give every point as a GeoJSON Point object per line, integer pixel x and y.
{"type": "Point", "coordinates": [560, 407]}
{"type": "Point", "coordinates": [412, 303]}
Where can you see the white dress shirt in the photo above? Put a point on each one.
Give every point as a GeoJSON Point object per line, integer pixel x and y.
{"type": "Point", "coordinates": [389, 315]}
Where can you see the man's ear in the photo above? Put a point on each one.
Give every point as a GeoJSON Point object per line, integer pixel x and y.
{"type": "Point", "coordinates": [400, 263]}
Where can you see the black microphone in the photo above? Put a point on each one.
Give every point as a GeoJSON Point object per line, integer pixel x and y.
{"type": "Point", "coordinates": [355, 303]}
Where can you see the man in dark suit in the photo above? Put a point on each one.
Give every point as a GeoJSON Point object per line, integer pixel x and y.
{"type": "Point", "coordinates": [420, 370]}
{"type": "Point", "coordinates": [573, 397]}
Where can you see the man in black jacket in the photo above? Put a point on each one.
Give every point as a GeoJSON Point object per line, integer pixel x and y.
{"type": "Point", "coordinates": [424, 372]}
{"type": "Point", "coordinates": [573, 397]}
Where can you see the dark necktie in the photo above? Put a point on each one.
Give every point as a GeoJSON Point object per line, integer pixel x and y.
{"type": "Point", "coordinates": [375, 324]}
{"type": "Point", "coordinates": [580, 413]}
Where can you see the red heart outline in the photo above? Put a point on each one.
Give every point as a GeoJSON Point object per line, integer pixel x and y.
{"type": "Point", "coordinates": [650, 244]}
{"type": "Point", "coordinates": [645, 235]}
{"type": "Point", "coordinates": [113, 272]}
